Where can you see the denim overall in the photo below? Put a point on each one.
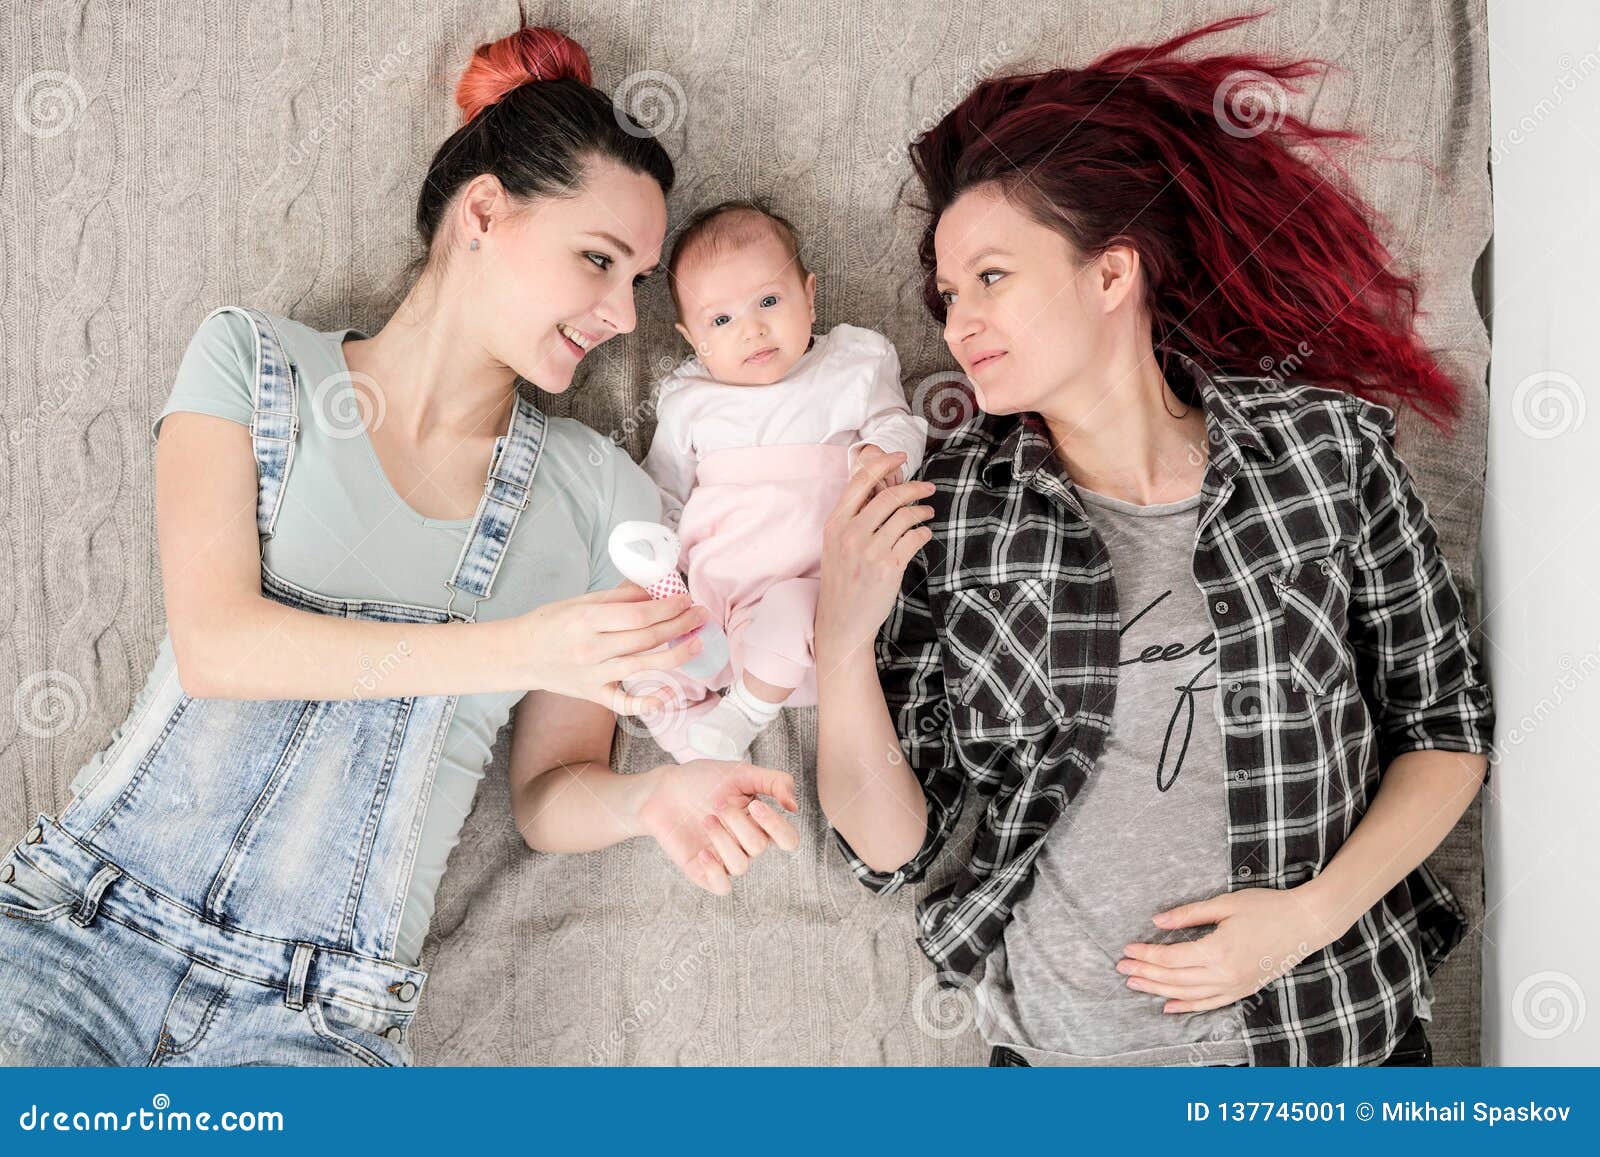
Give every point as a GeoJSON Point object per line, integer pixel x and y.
{"type": "Point", "coordinates": [228, 888]}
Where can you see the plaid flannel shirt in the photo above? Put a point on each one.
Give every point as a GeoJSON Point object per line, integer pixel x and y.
{"type": "Point", "coordinates": [1341, 644]}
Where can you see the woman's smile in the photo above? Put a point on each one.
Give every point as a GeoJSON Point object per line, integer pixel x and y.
{"type": "Point", "coordinates": [577, 342]}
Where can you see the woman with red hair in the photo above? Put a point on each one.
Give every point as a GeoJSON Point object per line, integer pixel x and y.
{"type": "Point", "coordinates": [1173, 629]}
{"type": "Point", "coordinates": [377, 551]}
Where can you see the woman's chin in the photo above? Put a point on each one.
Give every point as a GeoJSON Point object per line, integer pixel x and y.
{"type": "Point", "coordinates": [553, 375]}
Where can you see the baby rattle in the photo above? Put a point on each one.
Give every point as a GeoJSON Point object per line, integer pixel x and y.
{"type": "Point", "coordinates": [647, 553]}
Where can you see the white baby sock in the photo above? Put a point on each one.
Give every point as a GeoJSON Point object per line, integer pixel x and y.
{"type": "Point", "coordinates": [726, 730]}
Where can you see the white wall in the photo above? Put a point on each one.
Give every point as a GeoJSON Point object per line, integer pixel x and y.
{"type": "Point", "coordinates": [1541, 542]}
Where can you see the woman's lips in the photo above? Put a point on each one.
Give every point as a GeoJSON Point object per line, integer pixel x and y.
{"type": "Point", "coordinates": [573, 347]}
{"type": "Point", "coordinates": [761, 356]}
{"type": "Point", "coordinates": [986, 359]}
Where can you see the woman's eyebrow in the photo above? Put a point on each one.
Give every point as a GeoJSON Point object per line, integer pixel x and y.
{"type": "Point", "coordinates": [627, 250]}
{"type": "Point", "coordinates": [987, 251]}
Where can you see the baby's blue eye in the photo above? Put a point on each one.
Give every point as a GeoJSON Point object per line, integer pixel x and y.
{"type": "Point", "coordinates": [721, 319]}
{"type": "Point", "coordinates": [769, 301]}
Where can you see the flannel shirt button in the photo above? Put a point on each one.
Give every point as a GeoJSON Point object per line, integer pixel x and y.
{"type": "Point", "coordinates": [1244, 872]}
{"type": "Point", "coordinates": [1236, 686]}
{"type": "Point", "coordinates": [994, 594]}
{"type": "Point", "coordinates": [1222, 606]}
{"type": "Point", "coordinates": [1241, 776]}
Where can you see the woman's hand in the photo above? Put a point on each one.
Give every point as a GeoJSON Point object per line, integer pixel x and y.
{"type": "Point", "coordinates": [582, 648]}
{"type": "Point", "coordinates": [1260, 934]}
{"type": "Point", "coordinates": [866, 543]}
{"type": "Point", "coordinates": [706, 817]}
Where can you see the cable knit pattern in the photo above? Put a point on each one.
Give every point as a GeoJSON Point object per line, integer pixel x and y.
{"type": "Point", "coordinates": [166, 159]}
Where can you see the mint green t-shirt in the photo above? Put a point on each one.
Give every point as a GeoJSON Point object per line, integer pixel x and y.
{"type": "Point", "coordinates": [345, 532]}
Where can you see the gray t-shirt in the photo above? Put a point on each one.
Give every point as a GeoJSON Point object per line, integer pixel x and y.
{"type": "Point", "coordinates": [1149, 830]}
{"type": "Point", "coordinates": [344, 531]}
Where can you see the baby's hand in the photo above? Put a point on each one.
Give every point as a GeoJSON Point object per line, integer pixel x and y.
{"type": "Point", "coordinates": [870, 454]}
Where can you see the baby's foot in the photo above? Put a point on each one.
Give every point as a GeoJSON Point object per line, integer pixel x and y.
{"type": "Point", "coordinates": [724, 732]}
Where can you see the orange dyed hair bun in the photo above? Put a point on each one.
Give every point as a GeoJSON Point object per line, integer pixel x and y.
{"type": "Point", "coordinates": [526, 55]}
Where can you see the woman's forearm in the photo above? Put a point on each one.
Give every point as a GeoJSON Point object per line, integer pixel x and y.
{"type": "Point", "coordinates": [867, 790]}
{"type": "Point", "coordinates": [263, 649]}
{"type": "Point", "coordinates": [580, 807]}
{"type": "Point", "coordinates": [1419, 799]}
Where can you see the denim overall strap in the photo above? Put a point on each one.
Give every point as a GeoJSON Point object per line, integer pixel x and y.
{"type": "Point", "coordinates": [276, 420]}
{"type": "Point", "coordinates": [506, 494]}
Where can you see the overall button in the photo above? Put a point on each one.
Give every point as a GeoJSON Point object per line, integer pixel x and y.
{"type": "Point", "coordinates": [393, 1033]}
{"type": "Point", "coordinates": [35, 834]}
{"type": "Point", "coordinates": [407, 991]}
{"type": "Point", "coordinates": [7, 874]}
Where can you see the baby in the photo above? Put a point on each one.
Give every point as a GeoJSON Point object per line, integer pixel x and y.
{"type": "Point", "coordinates": [756, 436]}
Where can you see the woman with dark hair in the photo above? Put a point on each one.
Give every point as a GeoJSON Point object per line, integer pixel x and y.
{"type": "Point", "coordinates": [246, 873]}
{"type": "Point", "coordinates": [1177, 630]}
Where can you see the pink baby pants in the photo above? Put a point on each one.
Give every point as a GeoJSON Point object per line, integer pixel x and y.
{"type": "Point", "coordinates": [752, 548]}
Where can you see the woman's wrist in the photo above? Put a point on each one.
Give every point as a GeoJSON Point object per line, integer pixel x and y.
{"type": "Point", "coordinates": [634, 791]}
{"type": "Point", "coordinates": [1329, 908]}
{"type": "Point", "coordinates": [514, 648]}
{"type": "Point", "coordinates": [836, 646]}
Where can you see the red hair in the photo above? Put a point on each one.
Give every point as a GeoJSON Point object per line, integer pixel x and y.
{"type": "Point", "coordinates": [527, 54]}
{"type": "Point", "coordinates": [1252, 258]}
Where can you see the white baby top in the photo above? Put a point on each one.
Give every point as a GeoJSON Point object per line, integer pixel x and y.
{"type": "Point", "coordinates": [844, 391]}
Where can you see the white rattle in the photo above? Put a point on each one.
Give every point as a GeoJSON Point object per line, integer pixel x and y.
{"type": "Point", "coordinates": [647, 553]}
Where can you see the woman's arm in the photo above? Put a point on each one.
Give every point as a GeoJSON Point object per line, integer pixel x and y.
{"type": "Point", "coordinates": [1419, 799]}
{"type": "Point", "coordinates": [230, 641]}
{"type": "Point", "coordinates": [566, 797]}
{"type": "Point", "coordinates": [1417, 669]}
{"type": "Point", "coordinates": [889, 813]}
{"type": "Point", "coordinates": [866, 788]}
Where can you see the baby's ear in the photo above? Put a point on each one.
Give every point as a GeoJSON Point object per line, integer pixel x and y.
{"type": "Point", "coordinates": [683, 330]}
{"type": "Point", "coordinates": [811, 294]}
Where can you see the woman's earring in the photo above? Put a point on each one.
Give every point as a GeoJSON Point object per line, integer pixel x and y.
{"type": "Point", "coordinates": [474, 244]}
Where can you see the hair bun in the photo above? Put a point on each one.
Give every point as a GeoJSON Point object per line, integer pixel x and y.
{"type": "Point", "coordinates": [528, 54]}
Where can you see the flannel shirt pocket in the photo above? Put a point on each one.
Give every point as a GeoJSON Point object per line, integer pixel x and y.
{"type": "Point", "coordinates": [997, 649]}
{"type": "Point", "coordinates": [1315, 596]}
